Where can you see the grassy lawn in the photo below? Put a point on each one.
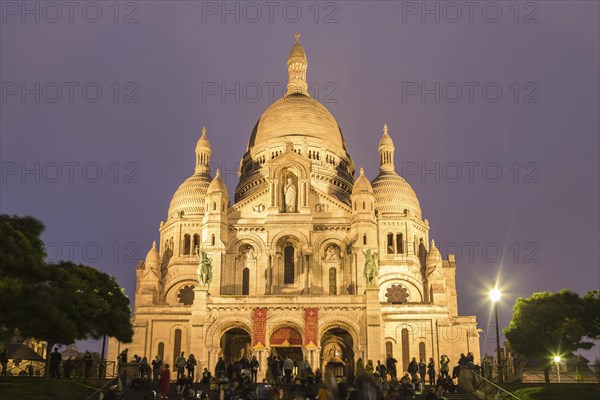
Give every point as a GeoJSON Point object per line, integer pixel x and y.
{"type": "Point", "coordinates": [20, 388]}
{"type": "Point", "coordinates": [560, 392]}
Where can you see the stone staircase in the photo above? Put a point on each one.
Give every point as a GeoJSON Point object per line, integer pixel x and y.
{"type": "Point", "coordinates": [139, 395]}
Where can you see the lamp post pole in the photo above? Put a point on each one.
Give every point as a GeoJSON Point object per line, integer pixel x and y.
{"type": "Point", "coordinates": [495, 296]}
{"type": "Point", "coordinates": [557, 362]}
{"type": "Point", "coordinates": [499, 357]}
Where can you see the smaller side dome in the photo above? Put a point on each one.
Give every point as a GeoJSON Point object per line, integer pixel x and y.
{"type": "Point", "coordinates": [362, 184]}
{"type": "Point", "coordinates": [153, 258]}
{"type": "Point", "coordinates": [217, 185]}
{"type": "Point", "coordinates": [433, 255]}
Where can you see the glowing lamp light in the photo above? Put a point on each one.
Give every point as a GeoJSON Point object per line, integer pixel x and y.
{"type": "Point", "coordinates": [557, 359]}
{"type": "Point", "coordinates": [495, 295]}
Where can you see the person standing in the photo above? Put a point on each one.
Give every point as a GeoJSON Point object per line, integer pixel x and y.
{"type": "Point", "coordinates": [88, 362]}
{"type": "Point", "coordinates": [431, 372]}
{"type": "Point", "coordinates": [444, 366]}
{"type": "Point", "coordinates": [156, 366]}
{"type": "Point", "coordinates": [276, 370]}
{"type": "Point", "coordinates": [254, 364]}
{"type": "Point", "coordinates": [190, 365]}
{"type": "Point", "coordinates": [413, 369]}
{"type": "Point", "coordinates": [288, 366]}
{"type": "Point", "coordinates": [165, 379]}
{"type": "Point", "coordinates": [244, 366]}
{"type": "Point", "coordinates": [390, 363]}
{"type": "Point", "coordinates": [220, 368]}
{"type": "Point", "coordinates": [55, 360]}
{"type": "Point", "coordinates": [422, 370]}
{"type": "Point", "coordinates": [180, 365]}
{"type": "Point", "coordinates": [4, 360]}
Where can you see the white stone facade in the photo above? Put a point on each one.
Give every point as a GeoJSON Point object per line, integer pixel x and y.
{"type": "Point", "coordinates": [293, 238]}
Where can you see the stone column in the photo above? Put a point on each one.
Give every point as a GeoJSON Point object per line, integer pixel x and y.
{"type": "Point", "coordinates": [197, 339]}
{"type": "Point", "coordinates": [375, 330]}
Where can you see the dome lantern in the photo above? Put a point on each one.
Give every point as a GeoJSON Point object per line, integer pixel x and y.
{"type": "Point", "coordinates": [297, 65]}
{"type": "Point", "coordinates": [203, 152]}
{"type": "Point", "coordinates": [386, 151]}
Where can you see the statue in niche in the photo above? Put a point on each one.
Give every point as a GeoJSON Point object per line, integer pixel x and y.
{"type": "Point", "coordinates": [204, 270]}
{"type": "Point", "coordinates": [289, 195]}
{"type": "Point", "coordinates": [332, 252]}
{"type": "Point", "coordinates": [248, 253]}
{"type": "Point", "coordinates": [371, 272]}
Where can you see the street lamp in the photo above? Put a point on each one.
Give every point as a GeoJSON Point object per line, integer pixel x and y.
{"type": "Point", "coordinates": [495, 296]}
{"type": "Point", "coordinates": [557, 361]}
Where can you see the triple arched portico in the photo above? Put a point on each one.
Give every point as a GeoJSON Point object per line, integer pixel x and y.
{"type": "Point", "coordinates": [284, 335]}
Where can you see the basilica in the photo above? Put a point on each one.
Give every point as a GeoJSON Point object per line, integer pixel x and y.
{"type": "Point", "coordinates": [304, 261]}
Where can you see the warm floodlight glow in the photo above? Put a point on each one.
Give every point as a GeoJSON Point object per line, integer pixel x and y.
{"type": "Point", "coordinates": [557, 359]}
{"type": "Point", "coordinates": [495, 295]}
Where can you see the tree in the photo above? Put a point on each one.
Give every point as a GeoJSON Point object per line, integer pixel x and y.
{"type": "Point", "coordinates": [59, 303]}
{"type": "Point", "coordinates": [548, 324]}
{"type": "Point", "coordinates": [21, 260]}
{"type": "Point", "coordinates": [591, 303]}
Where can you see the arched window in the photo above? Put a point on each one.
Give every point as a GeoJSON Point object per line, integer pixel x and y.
{"type": "Point", "coordinates": [364, 238]}
{"type": "Point", "coordinates": [177, 344]}
{"type": "Point", "coordinates": [223, 207]}
{"type": "Point", "coordinates": [332, 281]}
{"type": "Point", "coordinates": [422, 351]}
{"type": "Point", "coordinates": [246, 282]}
{"type": "Point", "coordinates": [431, 293]}
{"type": "Point", "coordinates": [364, 205]}
{"type": "Point", "coordinates": [389, 349]}
{"type": "Point", "coordinates": [212, 240]}
{"type": "Point", "coordinates": [161, 351]}
{"type": "Point", "coordinates": [186, 244]}
{"type": "Point", "coordinates": [214, 205]}
{"type": "Point", "coordinates": [390, 243]}
{"type": "Point", "coordinates": [405, 350]}
{"type": "Point", "coordinates": [196, 242]}
{"type": "Point", "coordinates": [288, 265]}
{"type": "Point", "coordinates": [355, 205]}
{"type": "Point", "coordinates": [399, 244]}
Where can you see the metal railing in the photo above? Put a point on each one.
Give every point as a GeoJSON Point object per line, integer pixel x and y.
{"type": "Point", "coordinates": [99, 391]}
{"type": "Point", "coordinates": [535, 374]}
{"type": "Point", "coordinates": [26, 368]}
{"type": "Point", "coordinates": [487, 389]}
{"type": "Point", "coordinates": [68, 369]}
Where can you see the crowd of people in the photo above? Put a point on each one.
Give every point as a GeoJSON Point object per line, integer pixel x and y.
{"type": "Point", "coordinates": [286, 379]}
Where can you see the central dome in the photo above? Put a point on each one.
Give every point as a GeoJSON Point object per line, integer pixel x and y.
{"type": "Point", "coordinates": [297, 115]}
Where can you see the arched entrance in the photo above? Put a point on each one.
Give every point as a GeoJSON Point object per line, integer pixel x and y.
{"type": "Point", "coordinates": [337, 355]}
{"type": "Point", "coordinates": [235, 343]}
{"type": "Point", "coordinates": [287, 342]}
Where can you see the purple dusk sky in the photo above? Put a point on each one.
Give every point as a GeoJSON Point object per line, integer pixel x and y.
{"type": "Point", "coordinates": [502, 100]}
